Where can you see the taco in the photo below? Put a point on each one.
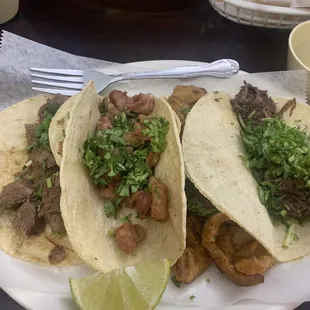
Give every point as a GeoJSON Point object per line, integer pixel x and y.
{"type": "Point", "coordinates": [31, 226]}
{"type": "Point", "coordinates": [122, 180]}
{"type": "Point", "coordinates": [220, 141]}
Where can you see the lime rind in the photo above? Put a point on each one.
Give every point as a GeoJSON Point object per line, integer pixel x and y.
{"type": "Point", "coordinates": [139, 287]}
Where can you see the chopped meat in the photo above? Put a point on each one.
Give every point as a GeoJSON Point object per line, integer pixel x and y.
{"type": "Point", "coordinates": [42, 155]}
{"type": "Point", "coordinates": [179, 108]}
{"type": "Point", "coordinates": [142, 203]}
{"type": "Point", "coordinates": [110, 110]}
{"type": "Point", "coordinates": [195, 259]}
{"type": "Point", "coordinates": [193, 262]}
{"type": "Point", "coordinates": [31, 132]}
{"type": "Point", "coordinates": [52, 105]}
{"type": "Point", "coordinates": [253, 103]}
{"type": "Point", "coordinates": [14, 194]}
{"type": "Point", "coordinates": [54, 219]}
{"type": "Point", "coordinates": [160, 200]}
{"type": "Point", "coordinates": [141, 103]}
{"type": "Point", "coordinates": [128, 235]}
{"type": "Point", "coordinates": [57, 255]}
{"type": "Point", "coordinates": [120, 99]}
{"type": "Point", "coordinates": [128, 202]}
{"type": "Point", "coordinates": [27, 220]}
{"type": "Point", "coordinates": [189, 94]}
{"type": "Point", "coordinates": [141, 232]}
{"type": "Point", "coordinates": [104, 123]}
{"type": "Point", "coordinates": [51, 197]}
{"type": "Point", "coordinates": [290, 105]}
{"type": "Point", "coordinates": [153, 159]}
{"type": "Point", "coordinates": [108, 192]}
{"type": "Point", "coordinates": [34, 173]}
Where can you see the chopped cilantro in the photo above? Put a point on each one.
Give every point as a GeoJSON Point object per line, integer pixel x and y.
{"type": "Point", "coordinates": [185, 111]}
{"type": "Point", "coordinates": [156, 129]}
{"type": "Point", "coordinates": [192, 297]}
{"type": "Point", "coordinates": [208, 280]}
{"type": "Point", "coordinates": [176, 282]}
{"type": "Point", "coordinates": [109, 209]}
{"type": "Point", "coordinates": [278, 156]}
{"type": "Point", "coordinates": [127, 218]}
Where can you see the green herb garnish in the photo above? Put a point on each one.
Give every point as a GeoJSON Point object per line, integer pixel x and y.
{"type": "Point", "coordinates": [176, 282]}
{"type": "Point", "coordinates": [110, 209]}
{"type": "Point", "coordinates": [278, 156]}
{"type": "Point", "coordinates": [156, 129]}
{"type": "Point", "coordinates": [192, 297]}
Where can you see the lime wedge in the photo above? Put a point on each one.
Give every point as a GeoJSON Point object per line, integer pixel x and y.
{"type": "Point", "coordinates": [139, 287]}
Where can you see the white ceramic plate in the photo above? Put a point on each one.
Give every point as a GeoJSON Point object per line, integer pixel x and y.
{"type": "Point", "coordinates": [32, 300]}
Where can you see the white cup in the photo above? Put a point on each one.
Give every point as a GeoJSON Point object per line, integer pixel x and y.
{"type": "Point", "coordinates": [8, 9]}
{"type": "Point", "coordinates": [298, 56]}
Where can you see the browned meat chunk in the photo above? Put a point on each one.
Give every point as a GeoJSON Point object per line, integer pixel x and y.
{"type": "Point", "coordinates": [244, 267]}
{"type": "Point", "coordinates": [104, 123]}
{"type": "Point", "coordinates": [142, 104]}
{"type": "Point", "coordinates": [15, 194]}
{"type": "Point", "coordinates": [195, 259]}
{"type": "Point", "coordinates": [142, 203]}
{"type": "Point", "coordinates": [42, 155]}
{"type": "Point", "coordinates": [153, 159]}
{"type": "Point", "coordinates": [128, 202]}
{"type": "Point", "coordinates": [225, 265]}
{"type": "Point", "coordinates": [109, 108]}
{"type": "Point", "coordinates": [128, 235]}
{"type": "Point", "coordinates": [27, 220]}
{"type": "Point", "coordinates": [31, 132]}
{"type": "Point", "coordinates": [51, 197]}
{"type": "Point", "coordinates": [193, 262]}
{"type": "Point", "coordinates": [160, 200]}
{"type": "Point", "coordinates": [255, 102]}
{"type": "Point", "coordinates": [120, 99]}
{"type": "Point", "coordinates": [54, 219]}
{"type": "Point", "coordinates": [189, 94]}
{"type": "Point", "coordinates": [108, 192]}
{"type": "Point", "coordinates": [57, 255]}
{"type": "Point", "coordinates": [179, 108]}
{"type": "Point", "coordinates": [52, 104]}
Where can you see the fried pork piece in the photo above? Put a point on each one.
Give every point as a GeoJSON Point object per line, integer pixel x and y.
{"type": "Point", "coordinates": [189, 94]}
{"type": "Point", "coordinates": [195, 260]}
{"type": "Point", "coordinates": [183, 98]}
{"type": "Point", "coordinates": [235, 252]}
{"type": "Point", "coordinates": [109, 108]}
{"type": "Point", "coordinates": [104, 123]}
{"type": "Point", "coordinates": [128, 235]}
{"type": "Point", "coordinates": [160, 200]}
{"type": "Point", "coordinates": [141, 103]}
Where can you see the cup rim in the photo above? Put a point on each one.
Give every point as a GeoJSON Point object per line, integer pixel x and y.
{"type": "Point", "coordinates": [293, 32]}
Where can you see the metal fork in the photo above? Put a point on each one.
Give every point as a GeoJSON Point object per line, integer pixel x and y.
{"type": "Point", "coordinates": [70, 82]}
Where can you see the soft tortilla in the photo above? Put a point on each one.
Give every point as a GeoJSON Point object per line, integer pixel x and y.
{"type": "Point", "coordinates": [13, 157]}
{"type": "Point", "coordinates": [82, 208]}
{"type": "Point", "coordinates": [212, 149]}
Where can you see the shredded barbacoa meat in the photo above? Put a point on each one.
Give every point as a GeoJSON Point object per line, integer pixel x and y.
{"type": "Point", "coordinates": [253, 103]}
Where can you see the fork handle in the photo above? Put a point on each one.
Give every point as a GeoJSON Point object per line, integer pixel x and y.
{"type": "Point", "coordinates": [220, 68]}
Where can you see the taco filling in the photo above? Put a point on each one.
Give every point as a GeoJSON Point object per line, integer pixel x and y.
{"type": "Point", "coordinates": [121, 157]}
{"type": "Point", "coordinates": [34, 197]}
{"type": "Point", "coordinates": [278, 156]}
